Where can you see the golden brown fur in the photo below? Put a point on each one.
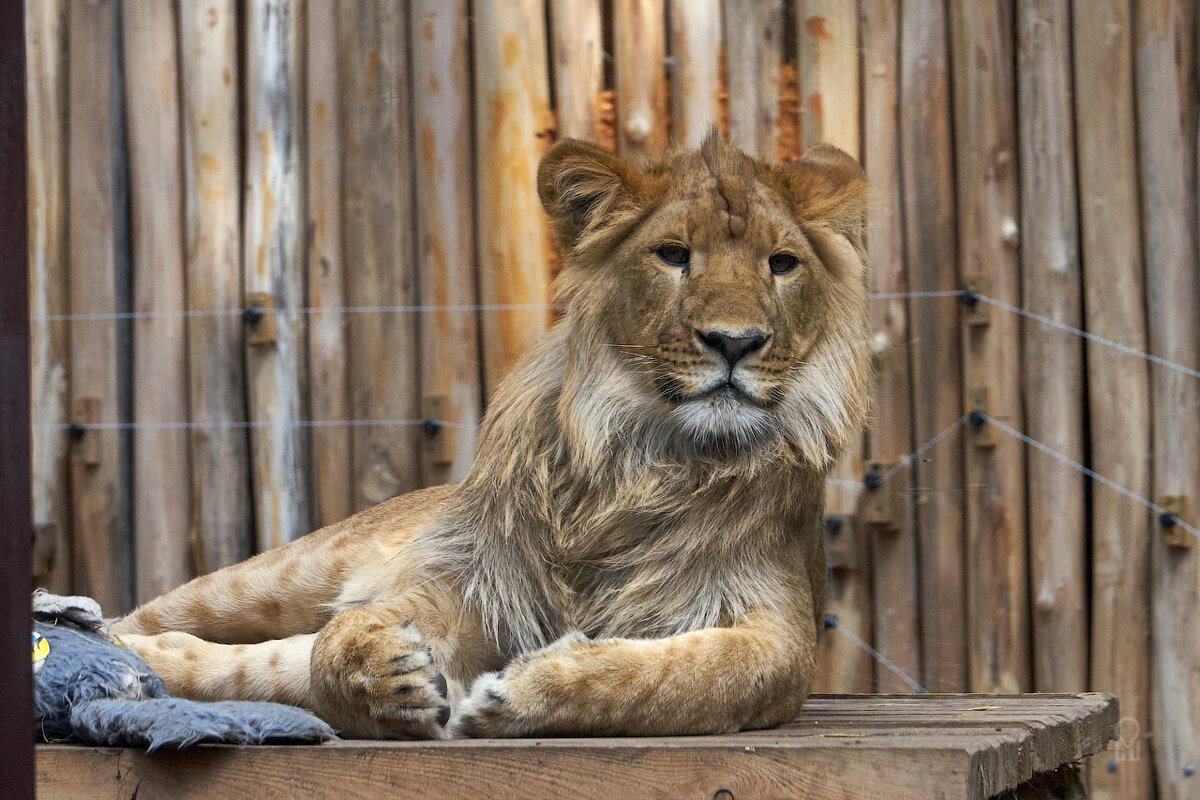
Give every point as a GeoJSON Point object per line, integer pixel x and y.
{"type": "Point", "coordinates": [636, 549]}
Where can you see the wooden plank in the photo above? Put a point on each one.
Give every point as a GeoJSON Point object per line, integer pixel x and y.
{"type": "Point", "coordinates": [377, 230]}
{"type": "Point", "coordinates": [893, 544]}
{"type": "Point", "coordinates": [926, 161]}
{"type": "Point", "coordinates": [827, 46]}
{"type": "Point", "coordinates": [696, 69]}
{"type": "Point", "coordinates": [1053, 360]}
{"type": "Point", "coordinates": [981, 36]}
{"type": "Point", "coordinates": [839, 749]}
{"type": "Point", "coordinates": [640, 42]}
{"type": "Point", "coordinates": [46, 89]}
{"type": "Point", "coordinates": [16, 517]}
{"type": "Point", "coordinates": [1166, 103]}
{"type": "Point", "coordinates": [446, 241]}
{"type": "Point", "coordinates": [273, 265]}
{"type": "Point", "coordinates": [161, 478]}
{"type": "Point", "coordinates": [328, 382]}
{"type": "Point", "coordinates": [511, 108]}
{"type": "Point", "coordinates": [578, 66]}
{"type": "Point", "coordinates": [754, 54]}
{"type": "Point", "coordinates": [1118, 386]}
{"type": "Point", "coordinates": [100, 547]}
{"type": "Point", "coordinates": [827, 42]}
{"type": "Point", "coordinates": [222, 525]}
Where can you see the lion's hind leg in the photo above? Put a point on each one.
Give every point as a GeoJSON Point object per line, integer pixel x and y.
{"type": "Point", "coordinates": [283, 592]}
{"type": "Point", "coordinates": [276, 671]}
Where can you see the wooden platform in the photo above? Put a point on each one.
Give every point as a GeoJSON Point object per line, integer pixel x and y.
{"type": "Point", "coordinates": [891, 747]}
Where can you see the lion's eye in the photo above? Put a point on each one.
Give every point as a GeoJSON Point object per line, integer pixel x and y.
{"type": "Point", "coordinates": [674, 254]}
{"type": "Point", "coordinates": [783, 263]}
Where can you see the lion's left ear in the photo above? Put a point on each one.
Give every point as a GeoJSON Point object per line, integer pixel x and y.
{"type": "Point", "coordinates": [582, 185]}
{"type": "Point", "coordinates": [829, 188]}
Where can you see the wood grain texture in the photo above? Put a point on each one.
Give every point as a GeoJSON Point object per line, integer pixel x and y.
{"type": "Point", "coordinates": [222, 524]}
{"type": "Point", "coordinates": [445, 236]}
{"type": "Point", "coordinates": [50, 355]}
{"type": "Point", "coordinates": [930, 747]}
{"type": "Point", "coordinates": [696, 53]}
{"type": "Point", "coordinates": [1165, 65]}
{"type": "Point", "coordinates": [827, 47]}
{"type": "Point", "coordinates": [161, 475]}
{"type": "Point", "coordinates": [328, 381]}
{"type": "Point", "coordinates": [377, 220]}
{"type": "Point", "coordinates": [1118, 386]}
{"type": "Point", "coordinates": [640, 42]}
{"type": "Point", "coordinates": [578, 66]}
{"type": "Point", "coordinates": [981, 36]}
{"type": "Point", "coordinates": [1051, 285]}
{"type": "Point", "coordinates": [896, 605]}
{"type": "Point", "coordinates": [929, 215]}
{"type": "Point", "coordinates": [754, 54]}
{"type": "Point", "coordinates": [273, 265]}
{"type": "Point", "coordinates": [511, 109]}
{"type": "Point", "coordinates": [100, 547]}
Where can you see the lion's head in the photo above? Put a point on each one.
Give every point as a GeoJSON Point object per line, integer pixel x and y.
{"type": "Point", "coordinates": [717, 298]}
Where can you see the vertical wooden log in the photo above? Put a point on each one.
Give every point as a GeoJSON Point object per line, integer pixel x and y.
{"type": "Point", "coordinates": [1166, 104]}
{"type": "Point", "coordinates": [45, 96]}
{"type": "Point", "coordinates": [893, 545]}
{"type": "Point", "coordinates": [446, 242]}
{"type": "Point", "coordinates": [273, 275]}
{"type": "Point", "coordinates": [161, 479]}
{"type": "Point", "coordinates": [1053, 360]}
{"type": "Point", "coordinates": [1118, 386]}
{"type": "Point", "coordinates": [981, 36]}
{"type": "Point", "coordinates": [754, 53]}
{"type": "Point", "coordinates": [511, 102]}
{"type": "Point", "coordinates": [926, 160]}
{"type": "Point", "coordinates": [222, 528]}
{"type": "Point", "coordinates": [827, 48]}
{"type": "Point", "coordinates": [639, 31]}
{"type": "Point", "coordinates": [328, 382]}
{"type": "Point", "coordinates": [377, 224]}
{"type": "Point", "coordinates": [827, 45]}
{"type": "Point", "coordinates": [696, 74]}
{"type": "Point", "coordinates": [842, 664]}
{"type": "Point", "coordinates": [578, 67]}
{"type": "Point", "coordinates": [100, 548]}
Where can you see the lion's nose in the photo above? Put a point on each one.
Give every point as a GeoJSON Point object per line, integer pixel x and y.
{"type": "Point", "coordinates": [733, 348]}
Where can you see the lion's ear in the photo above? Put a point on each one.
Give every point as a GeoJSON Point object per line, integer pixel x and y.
{"type": "Point", "coordinates": [829, 188]}
{"type": "Point", "coordinates": [581, 185]}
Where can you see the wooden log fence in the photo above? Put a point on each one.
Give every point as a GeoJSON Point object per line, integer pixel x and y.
{"type": "Point", "coordinates": [280, 251]}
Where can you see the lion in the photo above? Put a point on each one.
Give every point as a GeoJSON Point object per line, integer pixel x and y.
{"type": "Point", "coordinates": [637, 547]}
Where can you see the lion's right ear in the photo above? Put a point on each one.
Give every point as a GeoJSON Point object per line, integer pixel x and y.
{"type": "Point", "coordinates": [582, 185]}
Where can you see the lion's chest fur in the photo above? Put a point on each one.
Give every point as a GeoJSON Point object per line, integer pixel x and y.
{"type": "Point", "coordinates": [682, 557]}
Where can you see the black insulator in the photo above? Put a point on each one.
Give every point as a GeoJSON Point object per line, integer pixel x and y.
{"type": "Point", "coordinates": [76, 431]}
{"type": "Point", "coordinates": [251, 316]}
{"type": "Point", "coordinates": [1168, 519]}
{"type": "Point", "coordinates": [431, 427]}
{"type": "Point", "coordinates": [872, 480]}
{"type": "Point", "coordinates": [830, 621]}
{"type": "Point", "coordinates": [833, 525]}
{"type": "Point", "coordinates": [969, 298]}
{"type": "Point", "coordinates": [977, 417]}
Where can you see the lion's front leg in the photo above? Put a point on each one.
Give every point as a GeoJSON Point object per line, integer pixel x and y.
{"type": "Point", "coordinates": [715, 680]}
{"type": "Point", "coordinates": [392, 670]}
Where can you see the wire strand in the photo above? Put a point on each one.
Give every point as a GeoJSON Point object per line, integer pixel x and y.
{"type": "Point", "coordinates": [1111, 484]}
{"type": "Point", "coordinates": [1091, 337]}
{"type": "Point", "coordinates": [878, 656]}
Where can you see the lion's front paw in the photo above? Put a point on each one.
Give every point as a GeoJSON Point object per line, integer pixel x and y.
{"type": "Point", "coordinates": [380, 682]}
{"type": "Point", "coordinates": [521, 700]}
{"type": "Point", "coordinates": [488, 710]}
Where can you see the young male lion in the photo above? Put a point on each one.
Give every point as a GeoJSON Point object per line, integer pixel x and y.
{"type": "Point", "coordinates": [637, 547]}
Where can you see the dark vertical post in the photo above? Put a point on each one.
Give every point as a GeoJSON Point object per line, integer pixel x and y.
{"type": "Point", "coordinates": [16, 520]}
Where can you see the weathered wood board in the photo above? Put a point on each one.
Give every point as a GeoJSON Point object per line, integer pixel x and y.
{"type": "Point", "coordinates": [222, 526]}
{"type": "Point", "coordinates": [872, 747]}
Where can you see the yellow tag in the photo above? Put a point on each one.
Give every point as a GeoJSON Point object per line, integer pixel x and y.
{"type": "Point", "coordinates": [41, 648]}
